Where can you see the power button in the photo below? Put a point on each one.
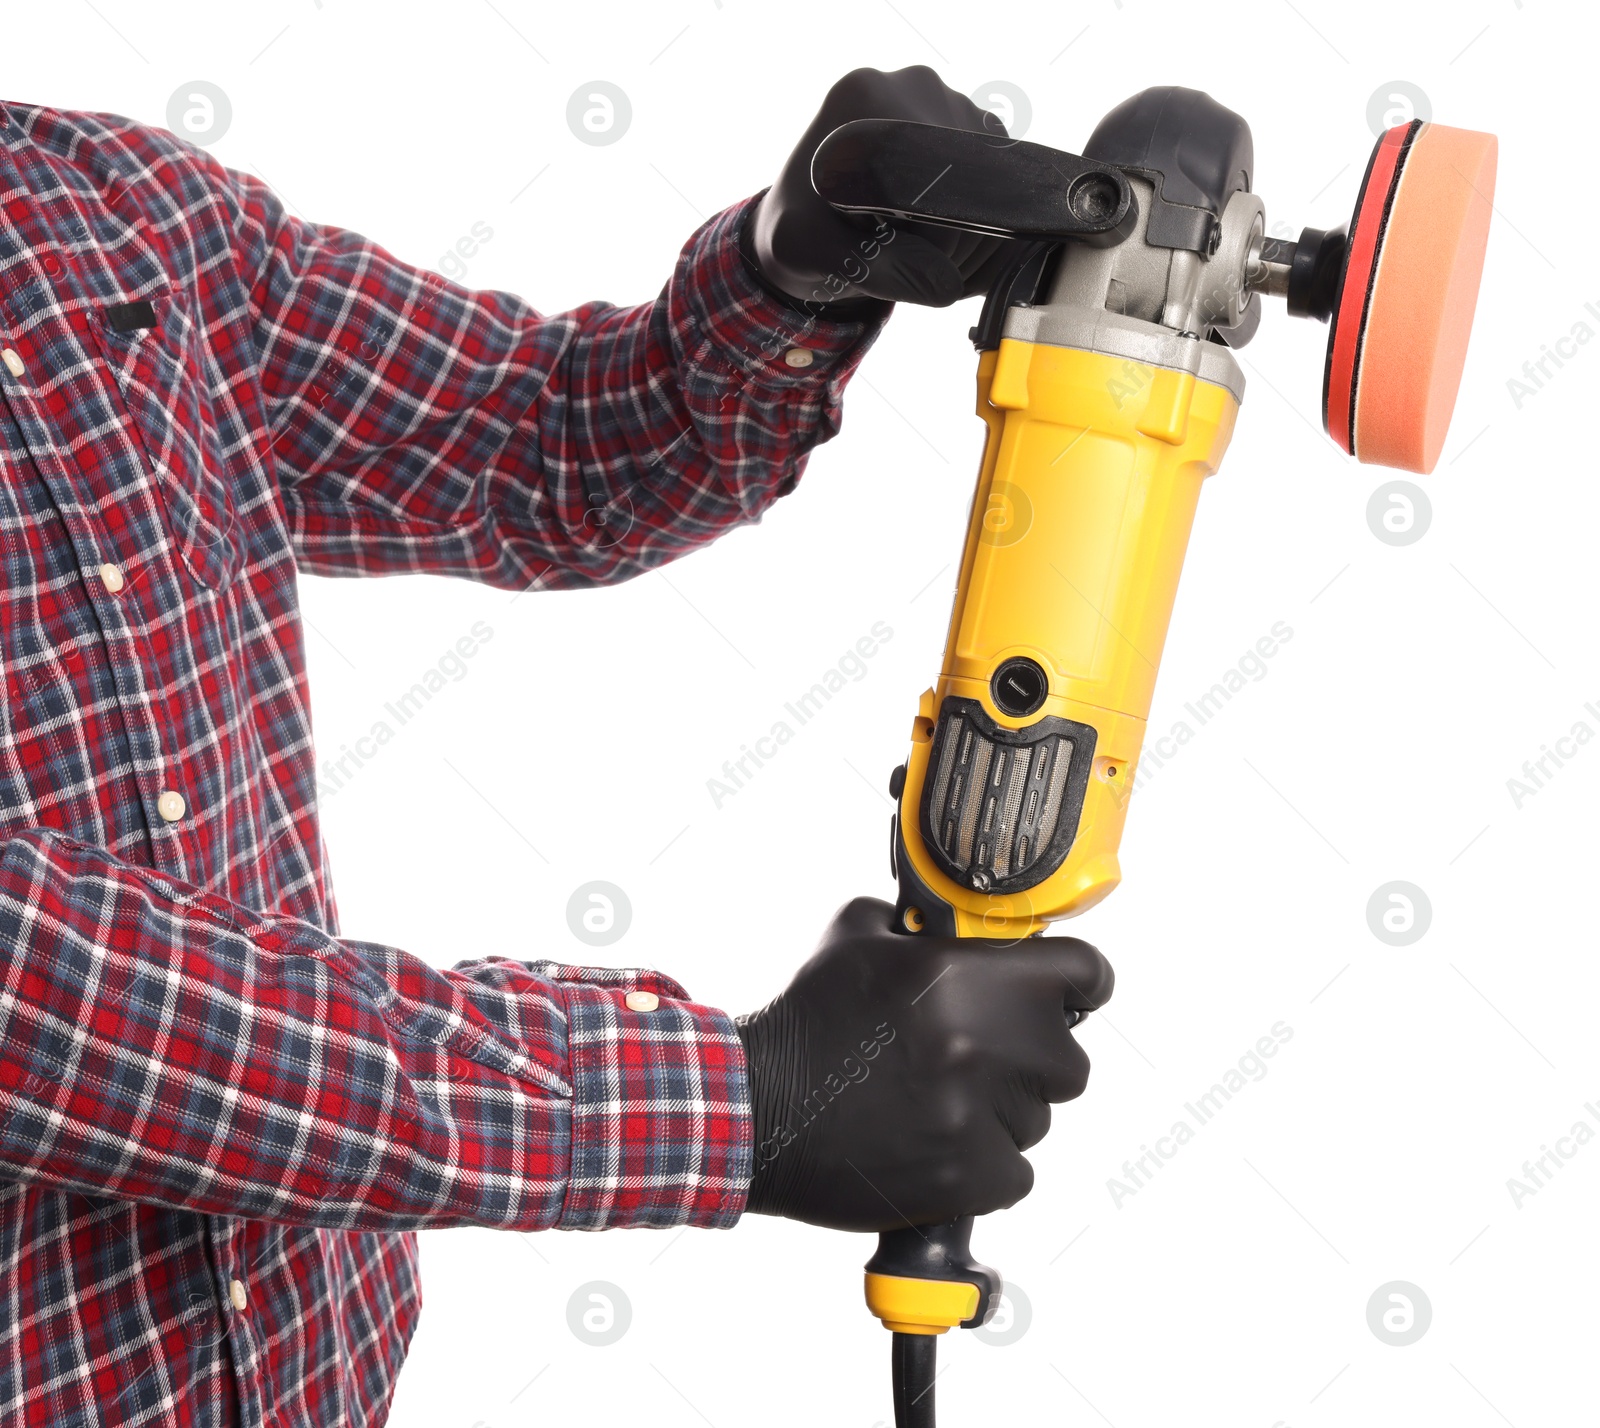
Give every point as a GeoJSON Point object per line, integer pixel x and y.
{"type": "Point", "coordinates": [1019, 687]}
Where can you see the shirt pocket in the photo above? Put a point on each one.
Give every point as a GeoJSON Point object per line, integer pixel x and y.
{"type": "Point", "coordinates": [154, 353]}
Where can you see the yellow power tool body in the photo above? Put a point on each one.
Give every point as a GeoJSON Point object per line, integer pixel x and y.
{"type": "Point", "coordinates": [1022, 757]}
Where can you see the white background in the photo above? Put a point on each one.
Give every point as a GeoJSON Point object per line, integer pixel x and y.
{"type": "Point", "coordinates": [1234, 1288]}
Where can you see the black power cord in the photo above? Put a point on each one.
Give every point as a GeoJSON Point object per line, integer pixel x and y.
{"type": "Point", "coordinates": [912, 1358]}
{"type": "Point", "coordinates": [941, 1257]}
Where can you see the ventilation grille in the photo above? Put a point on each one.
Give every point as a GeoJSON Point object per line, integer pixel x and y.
{"type": "Point", "coordinates": [1001, 808]}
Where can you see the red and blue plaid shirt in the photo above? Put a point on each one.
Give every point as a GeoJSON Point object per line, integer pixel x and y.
{"type": "Point", "coordinates": [219, 1120]}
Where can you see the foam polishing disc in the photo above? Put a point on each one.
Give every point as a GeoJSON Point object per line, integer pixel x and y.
{"type": "Point", "coordinates": [1404, 308]}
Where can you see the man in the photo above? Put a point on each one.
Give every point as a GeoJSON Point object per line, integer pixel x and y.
{"type": "Point", "coordinates": [219, 1121]}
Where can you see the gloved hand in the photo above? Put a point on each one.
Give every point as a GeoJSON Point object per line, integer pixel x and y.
{"type": "Point", "coordinates": [804, 248]}
{"type": "Point", "coordinates": [900, 1078]}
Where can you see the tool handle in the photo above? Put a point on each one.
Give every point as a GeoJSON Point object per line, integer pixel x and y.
{"type": "Point", "coordinates": [980, 182]}
{"type": "Point", "coordinates": [924, 1280]}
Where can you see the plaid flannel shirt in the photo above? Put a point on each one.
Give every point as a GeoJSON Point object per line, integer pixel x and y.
{"type": "Point", "coordinates": [219, 1120]}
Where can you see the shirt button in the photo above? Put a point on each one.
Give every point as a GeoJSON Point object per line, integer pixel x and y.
{"type": "Point", "coordinates": [172, 807]}
{"type": "Point", "coordinates": [237, 1295]}
{"type": "Point", "coordinates": [642, 1001]}
{"type": "Point", "coordinates": [14, 363]}
{"type": "Point", "coordinates": [795, 357]}
{"type": "Point", "coordinates": [111, 577]}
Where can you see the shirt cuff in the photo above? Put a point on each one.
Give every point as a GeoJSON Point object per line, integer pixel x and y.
{"type": "Point", "coordinates": [757, 332]}
{"type": "Point", "coordinates": [661, 1125]}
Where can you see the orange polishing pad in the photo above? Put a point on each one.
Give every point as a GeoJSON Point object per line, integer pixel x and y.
{"type": "Point", "coordinates": [1410, 284]}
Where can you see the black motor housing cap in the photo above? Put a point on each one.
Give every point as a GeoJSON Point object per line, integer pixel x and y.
{"type": "Point", "coordinates": [1197, 152]}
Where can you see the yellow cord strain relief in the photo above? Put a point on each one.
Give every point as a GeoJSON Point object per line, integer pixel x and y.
{"type": "Point", "coordinates": [920, 1306]}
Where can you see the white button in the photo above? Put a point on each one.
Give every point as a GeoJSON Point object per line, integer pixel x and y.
{"type": "Point", "coordinates": [237, 1294]}
{"type": "Point", "coordinates": [111, 577]}
{"type": "Point", "coordinates": [171, 807]}
{"type": "Point", "coordinates": [799, 357]}
{"type": "Point", "coordinates": [642, 1001]}
{"type": "Point", "coordinates": [14, 363]}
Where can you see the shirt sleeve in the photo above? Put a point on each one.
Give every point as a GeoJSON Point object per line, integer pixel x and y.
{"type": "Point", "coordinates": [418, 426]}
{"type": "Point", "coordinates": [159, 1043]}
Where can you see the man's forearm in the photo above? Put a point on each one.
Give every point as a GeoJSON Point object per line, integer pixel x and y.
{"type": "Point", "coordinates": [418, 426]}
{"type": "Point", "coordinates": [159, 1043]}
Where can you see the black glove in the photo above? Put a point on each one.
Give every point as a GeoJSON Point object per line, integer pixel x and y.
{"type": "Point", "coordinates": [805, 249]}
{"type": "Point", "coordinates": [900, 1078]}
